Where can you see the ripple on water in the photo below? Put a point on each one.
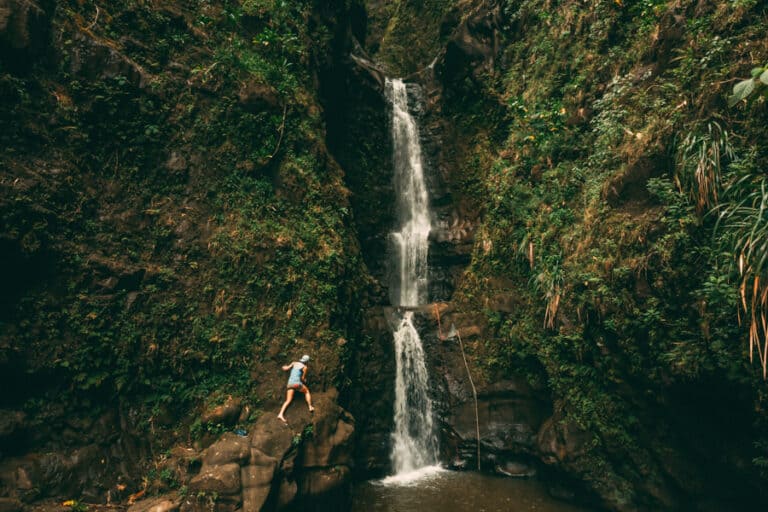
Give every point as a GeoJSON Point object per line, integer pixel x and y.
{"type": "Point", "coordinates": [435, 489]}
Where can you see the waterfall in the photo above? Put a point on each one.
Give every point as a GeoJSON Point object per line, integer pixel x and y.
{"type": "Point", "coordinates": [414, 440]}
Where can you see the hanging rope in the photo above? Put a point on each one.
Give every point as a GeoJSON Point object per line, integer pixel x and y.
{"type": "Point", "coordinates": [469, 374]}
{"type": "Point", "coordinates": [474, 395]}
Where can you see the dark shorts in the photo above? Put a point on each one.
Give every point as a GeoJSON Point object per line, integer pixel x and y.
{"type": "Point", "coordinates": [299, 387]}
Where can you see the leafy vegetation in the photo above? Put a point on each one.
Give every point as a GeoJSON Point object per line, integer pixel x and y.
{"type": "Point", "coordinates": [192, 243]}
{"type": "Point", "coordinates": [621, 202]}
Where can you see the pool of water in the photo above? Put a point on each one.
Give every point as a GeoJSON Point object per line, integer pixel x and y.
{"type": "Point", "coordinates": [434, 489]}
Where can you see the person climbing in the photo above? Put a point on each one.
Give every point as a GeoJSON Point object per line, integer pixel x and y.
{"type": "Point", "coordinates": [296, 381]}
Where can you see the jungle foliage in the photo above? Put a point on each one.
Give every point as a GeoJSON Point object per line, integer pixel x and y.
{"type": "Point", "coordinates": [171, 230]}
{"type": "Point", "coordinates": [627, 200]}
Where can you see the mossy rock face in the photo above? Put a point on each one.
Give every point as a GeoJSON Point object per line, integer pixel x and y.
{"type": "Point", "coordinates": [407, 35]}
{"type": "Point", "coordinates": [173, 228]}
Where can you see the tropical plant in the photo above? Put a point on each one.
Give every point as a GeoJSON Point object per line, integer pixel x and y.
{"type": "Point", "coordinates": [743, 217]}
{"type": "Point", "coordinates": [750, 87]}
{"type": "Point", "coordinates": [699, 164]}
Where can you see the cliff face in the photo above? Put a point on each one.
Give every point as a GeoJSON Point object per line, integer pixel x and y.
{"type": "Point", "coordinates": [172, 229]}
{"type": "Point", "coordinates": [578, 149]}
{"type": "Point", "coordinates": [194, 193]}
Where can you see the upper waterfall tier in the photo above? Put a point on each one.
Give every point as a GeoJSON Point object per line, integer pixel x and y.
{"type": "Point", "coordinates": [410, 243]}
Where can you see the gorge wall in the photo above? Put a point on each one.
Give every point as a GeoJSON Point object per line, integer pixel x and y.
{"type": "Point", "coordinates": [195, 193]}
{"type": "Point", "coordinates": [560, 141]}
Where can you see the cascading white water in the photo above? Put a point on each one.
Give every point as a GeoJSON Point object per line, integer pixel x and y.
{"type": "Point", "coordinates": [414, 439]}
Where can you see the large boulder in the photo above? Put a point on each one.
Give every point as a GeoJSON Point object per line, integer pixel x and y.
{"type": "Point", "coordinates": [226, 413]}
{"type": "Point", "coordinates": [257, 484]}
{"type": "Point", "coordinates": [331, 442]}
{"type": "Point", "coordinates": [168, 503]}
{"type": "Point", "coordinates": [278, 464]}
{"type": "Point", "coordinates": [318, 482]}
{"type": "Point", "coordinates": [228, 449]}
{"type": "Point", "coordinates": [224, 479]}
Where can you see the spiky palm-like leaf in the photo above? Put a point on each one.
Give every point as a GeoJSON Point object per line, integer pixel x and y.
{"type": "Point", "coordinates": [743, 218]}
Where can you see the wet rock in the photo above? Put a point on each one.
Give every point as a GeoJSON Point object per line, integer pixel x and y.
{"type": "Point", "coordinates": [271, 437]}
{"type": "Point", "coordinates": [257, 484]}
{"type": "Point", "coordinates": [459, 464]}
{"type": "Point", "coordinates": [515, 469]}
{"type": "Point", "coordinates": [286, 493]}
{"type": "Point", "coordinates": [226, 413]}
{"type": "Point", "coordinates": [223, 479]}
{"type": "Point", "coordinates": [559, 441]}
{"type": "Point", "coordinates": [257, 476]}
{"type": "Point", "coordinates": [332, 442]}
{"type": "Point", "coordinates": [159, 504]}
{"type": "Point", "coordinates": [323, 481]}
{"type": "Point", "coordinates": [254, 498]}
{"type": "Point", "coordinates": [229, 448]}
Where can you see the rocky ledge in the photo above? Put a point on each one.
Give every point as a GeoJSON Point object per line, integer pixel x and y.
{"type": "Point", "coordinates": [275, 467]}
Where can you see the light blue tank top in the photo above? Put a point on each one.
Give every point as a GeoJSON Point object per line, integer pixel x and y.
{"type": "Point", "coordinates": [296, 372]}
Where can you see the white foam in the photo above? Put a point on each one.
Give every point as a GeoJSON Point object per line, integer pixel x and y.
{"type": "Point", "coordinates": [412, 477]}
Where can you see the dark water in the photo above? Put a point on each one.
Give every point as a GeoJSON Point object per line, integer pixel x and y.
{"type": "Point", "coordinates": [451, 491]}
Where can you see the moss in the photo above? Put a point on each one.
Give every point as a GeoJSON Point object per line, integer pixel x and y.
{"type": "Point", "coordinates": [413, 36]}
{"type": "Point", "coordinates": [619, 281]}
{"type": "Point", "coordinates": [194, 241]}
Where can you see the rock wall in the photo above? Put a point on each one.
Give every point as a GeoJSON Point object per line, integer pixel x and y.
{"type": "Point", "coordinates": [276, 466]}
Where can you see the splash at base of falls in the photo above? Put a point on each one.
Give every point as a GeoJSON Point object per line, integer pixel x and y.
{"type": "Point", "coordinates": [413, 477]}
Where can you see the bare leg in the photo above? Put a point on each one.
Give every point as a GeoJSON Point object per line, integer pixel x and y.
{"type": "Point", "coordinates": [308, 398]}
{"type": "Point", "coordinates": [288, 400]}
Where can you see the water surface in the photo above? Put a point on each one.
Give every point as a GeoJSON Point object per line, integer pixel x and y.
{"type": "Point", "coordinates": [452, 491]}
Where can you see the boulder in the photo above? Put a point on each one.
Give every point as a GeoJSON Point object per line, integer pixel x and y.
{"type": "Point", "coordinates": [331, 442]}
{"type": "Point", "coordinates": [224, 479]}
{"type": "Point", "coordinates": [229, 448]}
{"type": "Point", "coordinates": [271, 437]}
{"type": "Point", "coordinates": [515, 469]}
{"type": "Point", "coordinates": [158, 504]}
{"type": "Point", "coordinates": [254, 498]}
{"type": "Point", "coordinates": [259, 458]}
{"type": "Point", "coordinates": [560, 440]}
{"type": "Point", "coordinates": [226, 413]}
{"type": "Point", "coordinates": [257, 476]}
{"type": "Point", "coordinates": [286, 493]}
{"type": "Point", "coordinates": [257, 484]}
{"type": "Point", "coordinates": [316, 482]}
